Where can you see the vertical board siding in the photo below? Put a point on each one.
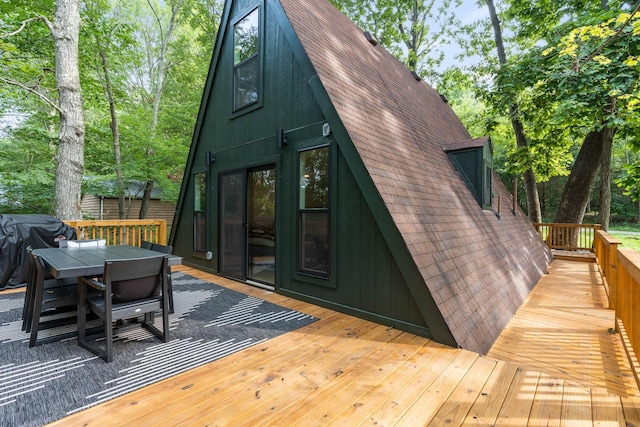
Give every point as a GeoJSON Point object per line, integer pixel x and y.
{"type": "Point", "coordinates": [365, 277]}
{"type": "Point", "coordinates": [244, 140]}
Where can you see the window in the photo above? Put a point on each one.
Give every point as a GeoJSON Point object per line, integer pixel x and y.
{"type": "Point", "coordinates": [313, 212]}
{"type": "Point", "coordinates": [487, 193]}
{"type": "Point", "coordinates": [474, 160]}
{"type": "Point", "coordinates": [200, 212]}
{"type": "Point", "coordinates": [246, 67]}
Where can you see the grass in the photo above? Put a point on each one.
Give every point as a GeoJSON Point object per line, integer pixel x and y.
{"type": "Point", "coordinates": [626, 226]}
{"type": "Point", "coordinates": [620, 232]}
{"type": "Point", "coordinates": [628, 241]}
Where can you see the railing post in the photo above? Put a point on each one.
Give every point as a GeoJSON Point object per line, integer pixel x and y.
{"type": "Point", "coordinates": [612, 273]}
{"type": "Point", "coordinates": [163, 232]}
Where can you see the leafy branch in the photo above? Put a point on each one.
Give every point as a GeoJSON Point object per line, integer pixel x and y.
{"type": "Point", "coordinates": [24, 23]}
{"type": "Point", "coordinates": [32, 90]}
{"type": "Point", "coordinates": [613, 37]}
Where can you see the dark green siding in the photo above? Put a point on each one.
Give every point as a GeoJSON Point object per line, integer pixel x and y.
{"type": "Point", "coordinates": [246, 140]}
{"type": "Point", "coordinates": [365, 279]}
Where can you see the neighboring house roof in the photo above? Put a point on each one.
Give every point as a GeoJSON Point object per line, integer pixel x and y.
{"type": "Point", "coordinates": [476, 267]}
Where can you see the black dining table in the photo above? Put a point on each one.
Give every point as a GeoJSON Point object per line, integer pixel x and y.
{"type": "Point", "coordinates": [89, 261]}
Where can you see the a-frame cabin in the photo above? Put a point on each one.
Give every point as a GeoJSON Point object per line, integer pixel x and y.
{"type": "Point", "coordinates": [323, 168]}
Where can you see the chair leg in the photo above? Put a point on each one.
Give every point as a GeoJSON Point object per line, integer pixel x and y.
{"type": "Point", "coordinates": [165, 322]}
{"type": "Point", "coordinates": [82, 312]}
{"type": "Point", "coordinates": [108, 334]}
{"type": "Point", "coordinates": [167, 307]}
{"type": "Point", "coordinates": [35, 315]}
{"type": "Point", "coordinates": [27, 307]}
{"type": "Point", "coordinates": [170, 287]}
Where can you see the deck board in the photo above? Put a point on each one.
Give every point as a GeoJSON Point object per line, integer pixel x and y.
{"type": "Point", "coordinates": [563, 328]}
{"type": "Point", "coordinates": [459, 403]}
{"type": "Point", "coordinates": [555, 364]}
{"type": "Point", "coordinates": [516, 407]}
{"type": "Point", "coordinates": [546, 410]}
{"type": "Point", "coordinates": [486, 408]}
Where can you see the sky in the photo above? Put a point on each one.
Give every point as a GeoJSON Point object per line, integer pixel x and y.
{"type": "Point", "coordinates": [467, 13]}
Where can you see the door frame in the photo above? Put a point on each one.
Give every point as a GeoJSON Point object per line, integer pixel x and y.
{"type": "Point", "coordinates": [244, 246]}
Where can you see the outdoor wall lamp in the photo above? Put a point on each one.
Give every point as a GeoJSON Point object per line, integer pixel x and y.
{"type": "Point", "coordinates": [209, 158]}
{"type": "Point", "coordinates": [281, 140]}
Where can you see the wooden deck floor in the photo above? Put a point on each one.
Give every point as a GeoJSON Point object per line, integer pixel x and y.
{"type": "Point", "coordinates": [345, 371]}
{"type": "Point", "coordinates": [565, 329]}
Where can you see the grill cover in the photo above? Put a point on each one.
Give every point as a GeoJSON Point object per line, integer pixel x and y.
{"type": "Point", "coordinates": [19, 232]}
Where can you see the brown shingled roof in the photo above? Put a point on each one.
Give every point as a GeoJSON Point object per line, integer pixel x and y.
{"type": "Point", "coordinates": [477, 267]}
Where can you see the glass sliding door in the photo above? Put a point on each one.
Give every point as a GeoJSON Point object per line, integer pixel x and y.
{"type": "Point", "coordinates": [232, 225]}
{"type": "Point", "coordinates": [248, 225]}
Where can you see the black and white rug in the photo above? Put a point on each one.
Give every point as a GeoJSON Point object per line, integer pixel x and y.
{"type": "Point", "coordinates": [42, 384]}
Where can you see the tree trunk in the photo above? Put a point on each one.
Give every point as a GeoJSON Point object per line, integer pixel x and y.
{"type": "Point", "coordinates": [529, 178]}
{"type": "Point", "coordinates": [604, 214]}
{"type": "Point", "coordinates": [543, 199]}
{"type": "Point", "coordinates": [165, 39]}
{"type": "Point", "coordinates": [146, 197]}
{"type": "Point", "coordinates": [576, 191]}
{"type": "Point", "coordinates": [115, 130]}
{"type": "Point", "coordinates": [65, 30]}
{"type": "Point", "coordinates": [530, 188]}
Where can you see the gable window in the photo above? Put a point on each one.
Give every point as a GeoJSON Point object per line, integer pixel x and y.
{"type": "Point", "coordinates": [313, 212]}
{"type": "Point", "coordinates": [474, 160]}
{"type": "Point", "coordinates": [200, 212]}
{"type": "Point", "coordinates": [246, 65]}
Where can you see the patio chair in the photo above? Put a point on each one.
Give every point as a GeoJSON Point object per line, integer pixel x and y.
{"type": "Point", "coordinates": [48, 303]}
{"type": "Point", "coordinates": [165, 249]}
{"type": "Point", "coordinates": [130, 288]}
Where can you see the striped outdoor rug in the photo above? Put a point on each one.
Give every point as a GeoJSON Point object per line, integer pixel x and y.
{"type": "Point", "coordinates": [48, 382]}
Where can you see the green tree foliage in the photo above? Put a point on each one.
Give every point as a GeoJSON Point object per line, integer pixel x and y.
{"type": "Point", "coordinates": [124, 31]}
{"type": "Point", "coordinates": [572, 69]}
{"type": "Point", "coordinates": [412, 30]}
{"type": "Point", "coordinates": [589, 75]}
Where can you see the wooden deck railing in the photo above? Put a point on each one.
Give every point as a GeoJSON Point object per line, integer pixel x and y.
{"type": "Point", "coordinates": [628, 305]}
{"type": "Point", "coordinates": [568, 237]}
{"type": "Point", "coordinates": [606, 249]}
{"type": "Point", "coordinates": [620, 268]}
{"type": "Point", "coordinates": [123, 232]}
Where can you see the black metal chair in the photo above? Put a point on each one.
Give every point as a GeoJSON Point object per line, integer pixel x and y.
{"type": "Point", "coordinates": [130, 288]}
{"type": "Point", "coordinates": [48, 303]}
{"type": "Point", "coordinates": [166, 249]}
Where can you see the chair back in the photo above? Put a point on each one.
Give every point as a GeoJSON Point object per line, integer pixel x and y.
{"type": "Point", "coordinates": [38, 272]}
{"type": "Point", "coordinates": [165, 249]}
{"type": "Point", "coordinates": [135, 279]}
